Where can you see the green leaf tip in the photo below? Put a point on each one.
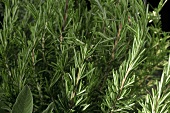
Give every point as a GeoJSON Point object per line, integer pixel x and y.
{"type": "Point", "coordinates": [24, 101]}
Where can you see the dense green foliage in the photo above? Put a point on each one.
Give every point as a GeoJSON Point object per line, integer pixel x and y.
{"type": "Point", "coordinates": [71, 59]}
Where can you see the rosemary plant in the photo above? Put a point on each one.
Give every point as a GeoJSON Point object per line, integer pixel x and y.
{"type": "Point", "coordinates": [62, 56]}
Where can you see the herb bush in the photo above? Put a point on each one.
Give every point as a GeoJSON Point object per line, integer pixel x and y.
{"type": "Point", "coordinates": [63, 57]}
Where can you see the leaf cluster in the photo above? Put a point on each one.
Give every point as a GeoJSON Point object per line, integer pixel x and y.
{"type": "Point", "coordinates": [57, 54]}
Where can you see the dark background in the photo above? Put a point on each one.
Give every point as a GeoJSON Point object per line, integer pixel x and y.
{"type": "Point", "coordinates": [165, 15]}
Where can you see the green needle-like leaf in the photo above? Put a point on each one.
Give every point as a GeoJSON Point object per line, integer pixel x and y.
{"type": "Point", "coordinates": [49, 109]}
